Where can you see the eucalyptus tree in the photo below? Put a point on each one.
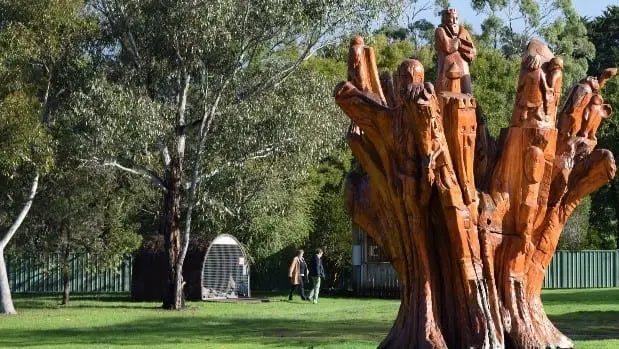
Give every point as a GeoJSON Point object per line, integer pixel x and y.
{"type": "Point", "coordinates": [81, 211]}
{"type": "Point", "coordinates": [194, 88]}
{"type": "Point", "coordinates": [604, 33]}
{"type": "Point", "coordinates": [41, 46]}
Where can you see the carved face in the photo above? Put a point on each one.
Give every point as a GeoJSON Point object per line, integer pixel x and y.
{"type": "Point", "coordinates": [556, 63]}
{"type": "Point", "coordinates": [417, 71]}
{"type": "Point", "coordinates": [597, 100]}
{"type": "Point", "coordinates": [534, 165]}
{"type": "Point", "coordinates": [593, 82]}
{"type": "Point", "coordinates": [450, 18]}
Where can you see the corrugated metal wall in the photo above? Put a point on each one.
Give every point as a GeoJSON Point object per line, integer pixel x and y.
{"type": "Point", "coordinates": [568, 269]}
{"type": "Point", "coordinates": [583, 269]}
{"type": "Point", "coordinates": [86, 275]}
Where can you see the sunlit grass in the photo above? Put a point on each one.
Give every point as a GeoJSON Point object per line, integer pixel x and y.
{"type": "Point", "coordinates": [590, 317]}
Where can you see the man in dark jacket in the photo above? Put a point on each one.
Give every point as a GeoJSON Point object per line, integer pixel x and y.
{"type": "Point", "coordinates": [316, 272]}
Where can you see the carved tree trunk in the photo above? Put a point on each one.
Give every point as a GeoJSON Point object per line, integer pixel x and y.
{"type": "Point", "coordinates": [469, 224]}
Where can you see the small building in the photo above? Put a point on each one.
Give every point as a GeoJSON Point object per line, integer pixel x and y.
{"type": "Point", "coordinates": [372, 273]}
{"type": "Point", "coordinates": [215, 267]}
{"type": "Point", "coordinates": [225, 271]}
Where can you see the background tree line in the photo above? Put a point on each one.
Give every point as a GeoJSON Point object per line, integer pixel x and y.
{"type": "Point", "coordinates": [124, 119]}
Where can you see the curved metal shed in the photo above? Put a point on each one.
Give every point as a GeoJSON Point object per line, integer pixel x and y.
{"type": "Point", "coordinates": [225, 271]}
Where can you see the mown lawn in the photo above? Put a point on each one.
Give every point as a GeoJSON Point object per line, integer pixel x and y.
{"type": "Point", "coordinates": [591, 317]}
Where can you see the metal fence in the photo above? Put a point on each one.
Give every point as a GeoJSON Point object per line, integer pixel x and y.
{"type": "Point", "coordinates": [86, 275]}
{"type": "Point", "coordinates": [583, 269]}
{"type": "Point", "coordinates": [568, 269]}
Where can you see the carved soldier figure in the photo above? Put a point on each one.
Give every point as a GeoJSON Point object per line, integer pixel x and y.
{"type": "Point", "coordinates": [530, 93]}
{"type": "Point", "coordinates": [570, 118]}
{"type": "Point", "coordinates": [455, 48]}
{"type": "Point", "coordinates": [554, 82]}
{"type": "Point", "coordinates": [356, 67]}
{"type": "Point", "coordinates": [594, 114]}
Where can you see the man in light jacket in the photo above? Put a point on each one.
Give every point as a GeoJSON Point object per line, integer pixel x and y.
{"type": "Point", "coordinates": [316, 271]}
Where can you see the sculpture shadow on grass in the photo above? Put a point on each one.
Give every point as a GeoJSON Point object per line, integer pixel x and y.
{"type": "Point", "coordinates": [109, 301]}
{"type": "Point", "coordinates": [178, 330]}
{"type": "Point", "coordinates": [588, 325]}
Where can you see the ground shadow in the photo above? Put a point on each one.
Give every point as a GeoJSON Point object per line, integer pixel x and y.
{"type": "Point", "coordinates": [53, 301]}
{"type": "Point", "coordinates": [588, 325]}
{"type": "Point", "coordinates": [176, 330]}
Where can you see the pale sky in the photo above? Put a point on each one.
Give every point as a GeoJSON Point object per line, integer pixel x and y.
{"type": "Point", "coordinates": [588, 8]}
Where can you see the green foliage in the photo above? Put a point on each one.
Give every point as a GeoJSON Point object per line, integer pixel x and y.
{"type": "Point", "coordinates": [106, 120]}
{"type": "Point", "coordinates": [24, 142]}
{"type": "Point", "coordinates": [556, 22]}
{"type": "Point", "coordinates": [332, 226]}
{"type": "Point", "coordinates": [494, 86]}
{"type": "Point", "coordinates": [574, 234]}
{"type": "Point", "coordinates": [604, 222]}
{"type": "Point", "coordinates": [83, 211]}
{"type": "Point", "coordinates": [604, 33]}
{"type": "Point", "coordinates": [390, 53]}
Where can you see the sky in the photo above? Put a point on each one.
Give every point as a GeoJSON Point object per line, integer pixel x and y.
{"type": "Point", "coordinates": [588, 8]}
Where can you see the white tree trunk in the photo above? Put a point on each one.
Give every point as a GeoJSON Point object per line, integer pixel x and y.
{"type": "Point", "coordinates": [6, 301]}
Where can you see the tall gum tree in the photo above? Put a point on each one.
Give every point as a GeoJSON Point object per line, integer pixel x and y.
{"type": "Point", "coordinates": [185, 78]}
{"type": "Point", "coordinates": [36, 53]}
{"type": "Point", "coordinates": [470, 223]}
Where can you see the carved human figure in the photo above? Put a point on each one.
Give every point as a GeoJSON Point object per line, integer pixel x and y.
{"type": "Point", "coordinates": [530, 93]}
{"type": "Point", "coordinates": [408, 80]}
{"type": "Point", "coordinates": [357, 67]}
{"type": "Point", "coordinates": [554, 82]}
{"type": "Point", "coordinates": [430, 130]}
{"type": "Point", "coordinates": [455, 49]}
{"type": "Point", "coordinates": [534, 166]}
{"type": "Point", "coordinates": [595, 112]}
{"type": "Point", "coordinates": [570, 117]}
{"type": "Point", "coordinates": [470, 271]}
{"type": "Point", "coordinates": [460, 122]}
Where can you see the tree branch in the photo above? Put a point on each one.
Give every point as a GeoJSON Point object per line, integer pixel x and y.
{"type": "Point", "coordinates": [140, 171]}
{"type": "Point", "coordinates": [588, 176]}
{"type": "Point", "coordinates": [238, 163]}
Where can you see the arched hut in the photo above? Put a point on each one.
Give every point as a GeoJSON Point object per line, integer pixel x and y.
{"type": "Point", "coordinates": [148, 279]}
{"type": "Point", "coordinates": [225, 272]}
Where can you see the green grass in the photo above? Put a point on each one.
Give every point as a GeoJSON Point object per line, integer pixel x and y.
{"type": "Point", "coordinates": [590, 317]}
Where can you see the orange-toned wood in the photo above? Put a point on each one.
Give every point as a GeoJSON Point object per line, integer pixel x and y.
{"type": "Point", "coordinates": [470, 224]}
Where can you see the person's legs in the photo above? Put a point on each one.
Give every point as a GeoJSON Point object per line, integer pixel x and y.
{"type": "Point", "coordinates": [316, 289]}
{"type": "Point", "coordinates": [292, 287]}
{"type": "Point", "coordinates": [315, 286]}
{"type": "Point", "coordinates": [303, 297]}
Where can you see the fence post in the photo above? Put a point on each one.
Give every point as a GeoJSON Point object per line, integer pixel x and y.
{"type": "Point", "coordinates": [616, 268]}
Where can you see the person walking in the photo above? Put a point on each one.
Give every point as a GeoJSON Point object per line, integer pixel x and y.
{"type": "Point", "coordinates": [316, 272]}
{"type": "Point", "coordinates": [297, 270]}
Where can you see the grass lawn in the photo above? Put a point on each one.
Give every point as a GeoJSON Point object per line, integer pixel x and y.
{"type": "Point", "coordinates": [590, 317]}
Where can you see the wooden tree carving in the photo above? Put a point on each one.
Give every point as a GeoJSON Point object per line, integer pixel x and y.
{"type": "Point", "coordinates": [470, 224]}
